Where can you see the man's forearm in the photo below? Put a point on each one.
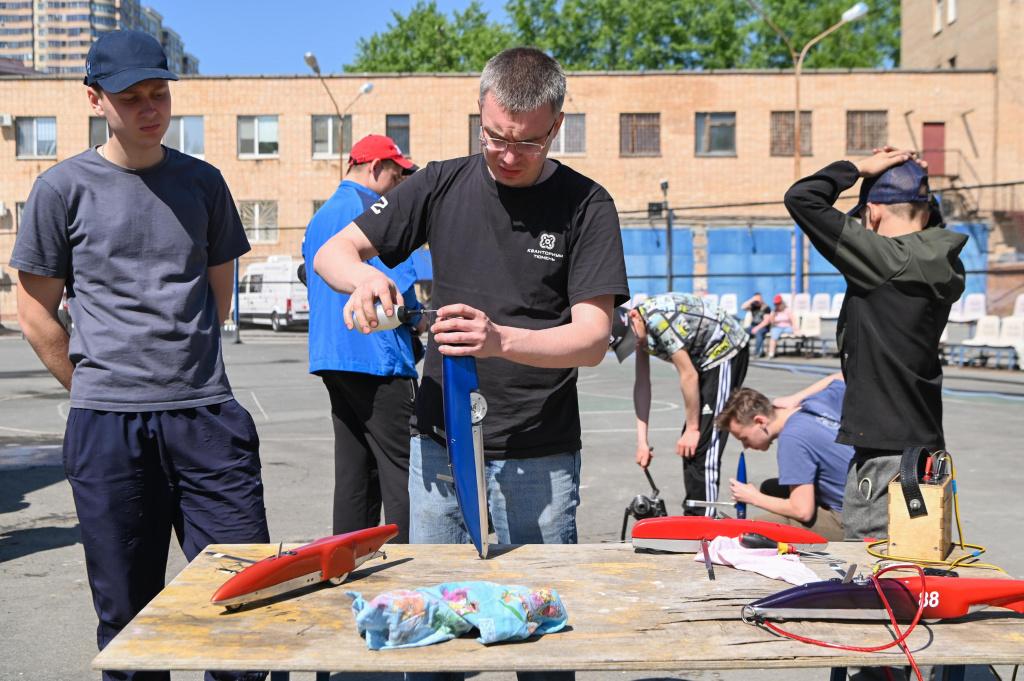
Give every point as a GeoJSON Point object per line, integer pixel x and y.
{"type": "Point", "coordinates": [49, 340]}
{"type": "Point", "coordinates": [799, 505]}
{"type": "Point", "coordinates": [690, 387]}
{"type": "Point", "coordinates": [810, 203]}
{"type": "Point", "coordinates": [341, 265]}
{"type": "Point", "coordinates": [642, 397]}
{"type": "Point", "coordinates": [562, 347]}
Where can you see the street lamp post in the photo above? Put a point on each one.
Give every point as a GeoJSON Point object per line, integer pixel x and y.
{"type": "Point", "coordinates": [852, 14]}
{"type": "Point", "coordinates": [364, 89]}
{"type": "Point", "coordinates": [668, 236]}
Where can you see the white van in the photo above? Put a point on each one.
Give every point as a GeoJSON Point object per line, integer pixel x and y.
{"type": "Point", "coordinates": [270, 293]}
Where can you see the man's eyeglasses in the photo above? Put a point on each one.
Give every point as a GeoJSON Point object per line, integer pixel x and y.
{"type": "Point", "coordinates": [525, 148]}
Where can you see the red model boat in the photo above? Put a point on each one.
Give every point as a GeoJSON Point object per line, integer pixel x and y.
{"type": "Point", "coordinates": [683, 534]}
{"type": "Point", "coordinates": [943, 598]}
{"type": "Point", "coordinates": [328, 559]}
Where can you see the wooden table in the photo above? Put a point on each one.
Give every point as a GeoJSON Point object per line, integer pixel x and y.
{"type": "Point", "coordinates": [627, 611]}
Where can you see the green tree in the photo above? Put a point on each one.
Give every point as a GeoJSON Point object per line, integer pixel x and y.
{"type": "Point", "coordinates": [427, 40]}
{"type": "Point", "coordinates": [872, 41]}
{"type": "Point", "coordinates": [635, 35]}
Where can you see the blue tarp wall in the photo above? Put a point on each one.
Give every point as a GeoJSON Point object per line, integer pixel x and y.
{"type": "Point", "coordinates": [646, 264]}
{"type": "Point", "coordinates": [764, 252]}
{"type": "Point", "coordinates": [736, 253]}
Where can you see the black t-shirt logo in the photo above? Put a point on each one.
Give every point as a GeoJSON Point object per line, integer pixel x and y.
{"type": "Point", "coordinates": [547, 241]}
{"type": "Point", "coordinates": [379, 206]}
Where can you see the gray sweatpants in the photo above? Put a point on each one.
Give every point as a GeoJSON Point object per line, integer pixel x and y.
{"type": "Point", "coordinates": [866, 497]}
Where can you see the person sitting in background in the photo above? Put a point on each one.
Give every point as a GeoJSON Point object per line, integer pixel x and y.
{"type": "Point", "coordinates": [782, 320]}
{"type": "Point", "coordinates": [759, 321]}
{"type": "Point", "coordinates": [812, 466]}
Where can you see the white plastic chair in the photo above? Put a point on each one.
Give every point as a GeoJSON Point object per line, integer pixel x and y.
{"type": "Point", "coordinates": [956, 311]}
{"type": "Point", "coordinates": [711, 298]}
{"type": "Point", "coordinates": [787, 298]}
{"type": "Point", "coordinates": [1018, 306]}
{"type": "Point", "coordinates": [1011, 335]}
{"type": "Point", "coordinates": [837, 305]}
{"type": "Point", "coordinates": [802, 303]}
{"type": "Point", "coordinates": [974, 307]}
{"type": "Point", "coordinates": [820, 304]}
{"type": "Point", "coordinates": [810, 330]}
{"type": "Point", "coordinates": [730, 303]}
{"type": "Point", "coordinates": [986, 333]}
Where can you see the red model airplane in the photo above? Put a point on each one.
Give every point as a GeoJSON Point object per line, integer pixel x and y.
{"type": "Point", "coordinates": [328, 559]}
{"type": "Point", "coordinates": [683, 534]}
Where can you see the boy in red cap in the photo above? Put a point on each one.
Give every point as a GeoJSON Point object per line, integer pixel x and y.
{"type": "Point", "coordinates": [902, 274]}
{"type": "Point", "coordinates": [371, 379]}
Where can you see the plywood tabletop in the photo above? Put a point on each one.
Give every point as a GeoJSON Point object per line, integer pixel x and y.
{"type": "Point", "coordinates": [627, 611]}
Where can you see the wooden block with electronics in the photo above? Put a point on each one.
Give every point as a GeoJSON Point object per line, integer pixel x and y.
{"type": "Point", "coordinates": [927, 536]}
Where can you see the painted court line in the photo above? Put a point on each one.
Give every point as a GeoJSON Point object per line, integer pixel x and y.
{"type": "Point", "coordinates": [260, 406]}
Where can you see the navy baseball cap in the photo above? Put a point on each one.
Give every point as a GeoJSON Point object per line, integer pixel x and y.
{"type": "Point", "coordinates": [905, 183]}
{"type": "Point", "coordinates": [120, 59]}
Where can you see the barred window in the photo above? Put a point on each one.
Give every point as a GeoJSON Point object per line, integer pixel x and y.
{"type": "Point", "coordinates": [99, 131]}
{"type": "Point", "coordinates": [397, 128]}
{"type": "Point", "coordinates": [572, 136]}
{"type": "Point", "coordinates": [866, 130]}
{"type": "Point", "coordinates": [783, 133]}
{"type": "Point", "coordinates": [639, 134]}
{"type": "Point", "coordinates": [716, 133]}
{"type": "Point", "coordinates": [259, 219]}
{"type": "Point", "coordinates": [474, 133]}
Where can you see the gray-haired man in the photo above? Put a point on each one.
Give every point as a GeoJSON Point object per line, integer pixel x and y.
{"type": "Point", "coordinates": [527, 268]}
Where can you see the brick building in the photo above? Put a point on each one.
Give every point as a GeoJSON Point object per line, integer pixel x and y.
{"type": "Point", "coordinates": [716, 137]}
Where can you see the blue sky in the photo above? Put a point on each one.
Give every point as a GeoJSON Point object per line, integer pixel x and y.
{"type": "Point", "coordinates": [270, 36]}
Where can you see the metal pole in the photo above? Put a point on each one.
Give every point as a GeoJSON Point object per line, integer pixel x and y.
{"type": "Point", "coordinates": [668, 245]}
{"type": "Point", "coordinates": [238, 326]}
{"type": "Point", "coordinates": [341, 124]}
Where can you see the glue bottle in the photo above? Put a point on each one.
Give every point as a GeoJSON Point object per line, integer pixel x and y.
{"type": "Point", "coordinates": [385, 323]}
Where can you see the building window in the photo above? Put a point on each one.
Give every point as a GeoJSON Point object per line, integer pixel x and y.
{"type": "Point", "coordinates": [257, 136]}
{"type": "Point", "coordinates": [937, 18]}
{"type": "Point", "coordinates": [19, 213]}
{"type": "Point", "coordinates": [185, 133]}
{"type": "Point", "coordinates": [866, 131]}
{"type": "Point", "coordinates": [397, 128]}
{"type": "Point", "coordinates": [259, 219]}
{"type": "Point", "coordinates": [318, 204]}
{"type": "Point", "coordinates": [6, 221]}
{"type": "Point", "coordinates": [639, 134]}
{"type": "Point", "coordinates": [783, 133]}
{"type": "Point", "coordinates": [36, 137]}
{"type": "Point", "coordinates": [331, 138]}
{"type": "Point", "coordinates": [716, 133]}
{"type": "Point", "coordinates": [572, 136]}
{"type": "Point", "coordinates": [474, 133]}
{"type": "Point", "coordinates": [99, 131]}
{"type": "Point", "coordinates": [950, 11]}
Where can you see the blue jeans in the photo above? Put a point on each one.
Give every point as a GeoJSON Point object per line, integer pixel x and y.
{"type": "Point", "coordinates": [758, 339]}
{"type": "Point", "coordinates": [531, 501]}
{"type": "Point", "coordinates": [516, 489]}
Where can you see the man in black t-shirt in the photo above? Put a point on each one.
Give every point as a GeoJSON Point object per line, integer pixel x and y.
{"type": "Point", "coordinates": [528, 264]}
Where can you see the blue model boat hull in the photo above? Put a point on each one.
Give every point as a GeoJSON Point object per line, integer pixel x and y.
{"type": "Point", "coordinates": [465, 446]}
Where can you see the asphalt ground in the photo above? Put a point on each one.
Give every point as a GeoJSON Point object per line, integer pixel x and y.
{"type": "Point", "coordinates": [45, 605]}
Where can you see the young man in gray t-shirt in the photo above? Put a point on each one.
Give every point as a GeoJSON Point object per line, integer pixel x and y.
{"type": "Point", "coordinates": [142, 238]}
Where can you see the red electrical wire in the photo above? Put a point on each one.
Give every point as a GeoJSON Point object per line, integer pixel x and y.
{"type": "Point", "coordinates": [900, 636]}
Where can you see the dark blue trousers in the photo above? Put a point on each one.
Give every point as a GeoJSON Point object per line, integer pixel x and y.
{"type": "Point", "coordinates": [135, 476]}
